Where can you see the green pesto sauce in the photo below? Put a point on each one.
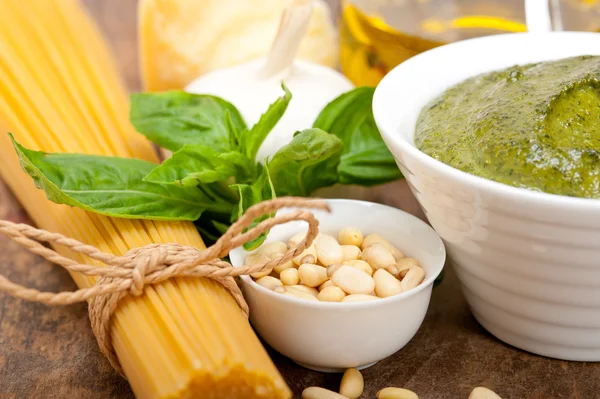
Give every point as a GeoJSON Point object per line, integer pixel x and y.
{"type": "Point", "coordinates": [535, 126]}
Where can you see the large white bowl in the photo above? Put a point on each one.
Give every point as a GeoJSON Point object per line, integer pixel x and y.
{"type": "Point", "coordinates": [331, 337]}
{"type": "Point", "coordinates": [528, 262]}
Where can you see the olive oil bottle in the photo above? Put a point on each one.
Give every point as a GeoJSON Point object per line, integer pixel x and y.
{"type": "Point", "coordinates": [377, 35]}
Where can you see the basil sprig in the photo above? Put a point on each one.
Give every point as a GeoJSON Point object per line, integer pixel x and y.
{"type": "Point", "coordinates": [212, 178]}
{"type": "Point", "coordinates": [366, 159]}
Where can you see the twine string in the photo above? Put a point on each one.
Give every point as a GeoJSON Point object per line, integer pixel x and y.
{"type": "Point", "coordinates": [128, 274]}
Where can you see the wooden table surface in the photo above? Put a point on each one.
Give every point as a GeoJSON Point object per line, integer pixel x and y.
{"type": "Point", "coordinates": [51, 352]}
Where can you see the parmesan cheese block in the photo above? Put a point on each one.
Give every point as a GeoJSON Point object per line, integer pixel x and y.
{"type": "Point", "coordinates": [181, 40]}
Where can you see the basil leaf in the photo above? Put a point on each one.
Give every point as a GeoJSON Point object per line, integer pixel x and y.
{"type": "Point", "coordinates": [195, 164]}
{"type": "Point", "coordinates": [220, 227]}
{"type": "Point", "coordinates": [173, 119]}
{"type": "Point", "coordinates": [210, 225]}
{"type": "Point", "coordinates": [366, 159]}
{"type": "Point", "coordinates": [111, 186]}
{"type": "Point", "coordinates": [233, 132]}
{"type": "Point", "coordinates": [245, 169]}
{"type": "Point", "coordinates": [250, 194]}
{"type": "Point", "coordinates": [209, 237]}
{"type": "Point", "coordinates": [220, 192]}
{"type": "Point", "coordinates": [308, 162]}
{"type": "Point", "coordinates": [251, 140]}
{"type": "Point", "coordinates": [365, 168]}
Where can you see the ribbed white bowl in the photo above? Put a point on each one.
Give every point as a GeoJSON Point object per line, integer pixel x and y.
{"type": "Point", "coordinates": [528, 262]}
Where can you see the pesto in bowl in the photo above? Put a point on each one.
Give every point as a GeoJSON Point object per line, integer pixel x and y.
{"type": "Point", "coordinates": [533, 126]}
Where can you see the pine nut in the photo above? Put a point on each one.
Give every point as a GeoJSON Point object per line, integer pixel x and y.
{"type": "Point", "coordinates": [360, 265]}
{"type": "Point", "coordinates": [326, 284]}
{"type": "Point", "coordinates": [374, 238]}
{"type": "Point", "coordinates": [320, 393]}
{"type": "Point", "coordinates": [350, 236]}
{"type": "Point", "coordinates": [300, 294]}
{"type": "Point", "coordinates": [483, 393]}
{"type": "Point", "coordinates": [269, 282]}
{"type": "Point", "coordinates": [309, 259]}
{"type": "Point", "coordinates": [296, 238]}
{"type": "Point", "coordinates": [352, 384]}
{"type": "Point", "coordinates": [386, 284]}
{"type": "Point", "coordinates": [302, 258]}
{"type": "Point", "coordinates": [396, 253]}
{"type": "Point", "coordinates": [378, 256]}
{"type": "Point", "coordinates": [328, 250]}
{"type": "Point", "coordinates": [287, 265]}
{"type": "Point", "coordinates": [273, 249]}
{"type": "Point", "coordinates": [396, 393]}
{"type": "Point", "coordinates": [254, 259]}
{"type": "Point", "coordinates": [353, 281]}
{"type": "Point", "coordinates": [331, 269]}
{"type": "Point", "coordinates": [312, 275]}
{"type": "Point", "coordinates": [299, 287]}
{"type": "Point", "coordinates": [350, 252]}
{"type": "Point", "coordinates": [393, 270]}
{"type": "Point", "coordinates": [331, 294]}
{"type": "Point", "coordinates": [289, 277]}
{"type": "Point", "coordinates": [280, 289]}
{"type": "Point", "coordinates": [359, 298]}
{"type": "Point", "coordinates": [414, 277]}
{"type": "Point", "coordinates": [408, 261]}
{"type": "Point", "coordinates": [404, 265]}
{"type": "Point", "coordinates": [261, 274]}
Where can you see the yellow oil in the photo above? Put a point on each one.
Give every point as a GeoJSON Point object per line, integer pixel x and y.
{"type": "Point", "coordinates": [377, 35]}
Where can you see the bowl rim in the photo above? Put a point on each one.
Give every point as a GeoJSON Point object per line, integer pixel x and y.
{"type": "Point", "coordinates": [387, 126]}
{"type": "Point", "coordinates": [429, 280]}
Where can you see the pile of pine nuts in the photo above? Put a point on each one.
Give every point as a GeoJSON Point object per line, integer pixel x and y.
{"type": "Point", "coordinates": [351, 268]}
{"type": "Point", "coordinates": [352, 386]}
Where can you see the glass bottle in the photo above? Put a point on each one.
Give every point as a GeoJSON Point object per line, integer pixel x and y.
{"type": "Point", "coordinates": [377, 35]}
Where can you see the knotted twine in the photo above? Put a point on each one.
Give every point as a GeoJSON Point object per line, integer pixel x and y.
{"type": "Point", "coordinates": [130, 273]}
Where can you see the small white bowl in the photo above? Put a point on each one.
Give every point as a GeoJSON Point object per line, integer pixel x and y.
{"type": "Point", "coordinates": [331, 337]}
{"type": "Point", "coordinates": [527, 261]}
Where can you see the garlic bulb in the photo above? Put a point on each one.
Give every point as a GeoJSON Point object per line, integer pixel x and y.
{"type": "Point", "coordinates": [251, 87]}
{"type": "Point", "coordinates": [183, 39]}
{"type": "Point", "coordinates": [312, 87]}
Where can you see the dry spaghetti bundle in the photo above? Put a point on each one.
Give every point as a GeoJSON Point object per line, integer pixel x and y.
{"type": "Point", "coordinates": [59, 92]}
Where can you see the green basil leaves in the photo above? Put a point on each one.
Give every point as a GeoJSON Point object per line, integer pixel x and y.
{"type": "Point", "coordinates": [250, 194]}
{"type": "Point", "coordinates": [212, 177]}
{"type": "Point", "coordinates": [251, 140]}
{"type": "Point", "coordinates": [307, 163]}
{"type": "Point", "coordinates": [111, 186]}
{"type": "Point", "coordinates": [366, 160]}
{"type": "Point", "coordinates": [194, 164]}
{"type": "Point", "coordinates": [173, 119]}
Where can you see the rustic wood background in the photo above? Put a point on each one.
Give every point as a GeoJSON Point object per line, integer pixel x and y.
{"type": "Point", "coordinates": [51, 352]}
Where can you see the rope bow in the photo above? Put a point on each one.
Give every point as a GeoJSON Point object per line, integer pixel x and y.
{"type": "Point", "coordinates": [130, 273]}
